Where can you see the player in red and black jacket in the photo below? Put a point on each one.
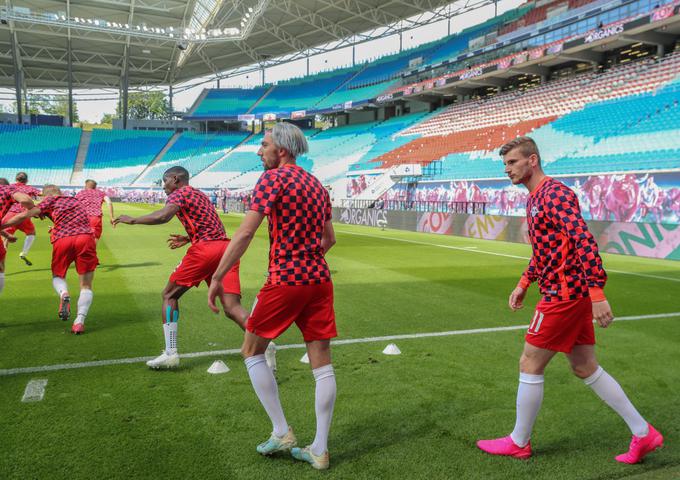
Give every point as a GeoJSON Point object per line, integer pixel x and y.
{"type": "Point", "coordinates": [567, 266]}
{"type": "Point", "coordinates": [25, 226]}
{"type": "Point", "coordinates": [208, 239]}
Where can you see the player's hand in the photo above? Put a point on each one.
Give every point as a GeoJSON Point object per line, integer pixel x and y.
{"type": "Point", "coordinates": [515, 302]}
{"type": "Point", "coordinates": [602, 313]}
{"type": "Point", "coordinates": [176, 241]}
{"type": "Point", "coordinates": [113, 223]}
{"type": "Point", "coordinates": [123, 219]}
{"type": "Point", "coordinates": [10, 238]}
{"type": "Point", "coordinates": [214, 291]}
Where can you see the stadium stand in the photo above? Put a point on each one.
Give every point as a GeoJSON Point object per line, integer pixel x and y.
{"type": "Point", "coordinates": [46, 154]}
{"type": "Point", "coordinates": [226, 102]}
{"type": "Point", "coordinates": [193, 151]}
{"type": "Point", "coordinates": [117, 157]}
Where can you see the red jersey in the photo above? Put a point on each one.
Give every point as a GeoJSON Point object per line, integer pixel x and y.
{"type": "Point", "coordinates": [565, 258]}
{"type": "Point", "coordinates": [92, 199]}
{"type": "Point", "coordinates": [28, 190]}
{"type": "Point", "coordinates": [6, 199]}
{"type": "Point", "coordinates": [297, 206]}
{"type": "Point", "coordinates": [197, 214]}
{"type": "Point", "coordinates": [68, 215]}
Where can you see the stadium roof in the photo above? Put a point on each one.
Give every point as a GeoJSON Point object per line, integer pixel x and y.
{"type": "Point", "coordinates": [37, 35]}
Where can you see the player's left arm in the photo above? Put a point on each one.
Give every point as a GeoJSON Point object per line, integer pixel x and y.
{"type": "Point", "coordinates": [159, 217]}
{"type": "Point", "coordinates": [109, 203]}
{"type": "Point", "coordinates": [328, 237]}
{"type": "Point", "coordinates": [30, 210]}
{"type": "Point", "coordinates": [237, 247]}
{"type": "Point", "coordinates": [567, 217]}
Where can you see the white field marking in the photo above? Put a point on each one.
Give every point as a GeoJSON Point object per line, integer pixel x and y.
{"type": "Point", "coordinates": [507, 255]}
{"type": "Point", "coordinates": [349, 341]}
{"type": "Point", "coordinates": [35, 390]}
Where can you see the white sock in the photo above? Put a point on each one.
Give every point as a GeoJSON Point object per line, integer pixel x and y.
{"type": "Point", "coordinates": [170, 331]}
{"type": "Point", "coordinates": [60, 286]}
{"type": "Point", "coordinates": [267, 391]}
{"type": "Point", "coordinates": [529, 399]}
{"type": "Point", "coordinates": [2, 281]}
{"type": "Point", "coordinates": [613, 395]}
{"type": "Point", "coordinates": [84, 302]}
{"type": "Point", "coordinates": [324, 402]}
{"type": "Point", "coordinates": [28, 242]}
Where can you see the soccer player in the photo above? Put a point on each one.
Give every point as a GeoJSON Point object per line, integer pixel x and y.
{"type": "Point", "coordinates": [72, 241]}
{"type": "Point", "coordinates": [8, 197]}
{"type": "Point", "coordinates": [26, 226]}
{"type": "Point", "coordinates": [298, 288]}
{"type": "Point", "coordinates": [208, 241]}
{"type": "Point", "coordinates": [568, 268]}
{"type": "Point", "coordinates": [92, 199]}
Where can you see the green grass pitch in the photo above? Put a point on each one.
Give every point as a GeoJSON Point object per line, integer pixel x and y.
{"type": "Point", "coordinates": [411, 416]}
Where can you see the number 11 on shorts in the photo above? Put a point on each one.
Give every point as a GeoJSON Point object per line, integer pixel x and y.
{"type": "Point", "coordinates": [536, 322]}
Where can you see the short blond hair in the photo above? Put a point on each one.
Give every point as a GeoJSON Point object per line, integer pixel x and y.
{"type": "Point", "coordinates": [51, 190]}
{"type": "Point", "coordinates": [527, 147]}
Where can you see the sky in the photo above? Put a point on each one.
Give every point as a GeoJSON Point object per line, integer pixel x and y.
{"type": "Point", "coordinates": [93, 104]}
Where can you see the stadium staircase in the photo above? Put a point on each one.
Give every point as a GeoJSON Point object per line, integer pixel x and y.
{"type": "Point", "coordinates": [76, 176]}
{"type": "Point", "coordinates": [158, 157]}
{"type": "Point", "coordinates": [266, 94]}
{"type": "Point", "coordinates": [378, 187]}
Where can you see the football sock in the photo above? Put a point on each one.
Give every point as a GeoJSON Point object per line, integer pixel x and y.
{"type": "Point", "coordinates": [613, 395]}
{"type": "Point", "coordinates": [324, 402]}
{"type": "Point", "coordinates": [60, 286]}
{"type": "Point", "coordinates": [28, 242]}
{"type": "Point", "coordinates": [84, 302]}
{"type": "Point", "coordinates": [267, 391]}
{"type": "Point", "coordinates": [2, 281]}
{"type": "Point", "coordinates": [170, 329]}
{"type": "Point", "coordinates": [529, 399]}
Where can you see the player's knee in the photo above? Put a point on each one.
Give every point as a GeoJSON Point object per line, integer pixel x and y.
{"type": "Point", "coordinates": [247, 350]}
{"type": "Point", "coordinates": [529, 365]}
{"type": "Point", "coordinates": [584, 370]}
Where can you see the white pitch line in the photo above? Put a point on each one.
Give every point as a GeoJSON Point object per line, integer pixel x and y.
{"type": "Point", "coordinates": [35, 390]}
{"type": "Point", "coordinates": [348, 341]}
{"type": "Point", "coordinates": [507, 255]}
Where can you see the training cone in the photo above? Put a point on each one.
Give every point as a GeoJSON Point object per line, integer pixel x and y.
{"type": "Point", "coordinates": [218, 366]}
{"type": "Point", "coordinates": [392, 349]}
{"type": "Point", "coordinates": [305, 358]}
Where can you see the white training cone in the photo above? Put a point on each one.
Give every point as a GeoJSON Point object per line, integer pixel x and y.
{"type": "Point", "coordinates": [305, 358]}
{"type": "Point", "coordinates": [218, 366]}
{"type": "Point", "coordinates": [392, 349]}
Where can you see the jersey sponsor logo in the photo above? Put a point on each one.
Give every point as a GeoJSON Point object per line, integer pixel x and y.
{"type": "Point", "coordinates": [534, 211]}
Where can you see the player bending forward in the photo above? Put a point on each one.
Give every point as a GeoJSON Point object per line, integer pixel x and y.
{"type": "Point", "coordinates": [26, 226]}
{"type": "Point", "coordinates": [8, 197]}
{"type": "Point", "coordinates": [568, 268]}
{"type": "Point", "coordinates": [298, 289]}
{"type": "Point", "coordinates": [208, 242]}
{"type": "Point", "coordinates": [72, 241]}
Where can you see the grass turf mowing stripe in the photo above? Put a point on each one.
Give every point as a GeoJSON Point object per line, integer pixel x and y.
{"type": "Point", "coordinates": [506, 255]}
{"type": "Point", "coordinates": [349, 341]}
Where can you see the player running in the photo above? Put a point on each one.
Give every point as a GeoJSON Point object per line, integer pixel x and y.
{"type": "Point", "coordinates": [298, 288]}
{"type": "Point", "coordinates": [208, 241]}
{"type": "Point", "coordinates": [26, 226]}
{"type": "Point", "coordinates": [8, 197]}
{"type": "Point", "coordinates": [72, 241]}
{"type": "Point", "coordinates": [92, 199]}
{"type": "Point", "coordinates": [568, 268]}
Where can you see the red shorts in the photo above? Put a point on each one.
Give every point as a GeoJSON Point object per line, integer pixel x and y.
{"type": "Point", "coordinates": [26, 226]}
{"type": "Point", "coordinates": [77, 248]}
{"type": "Point", "coordinates": [96, 224]}
{"type": "Point", "coordinates": [558, 326]}
{"type": "Point", "coordinates": [309, 306]}
{"type": "Point", "coordinates": [3, 251]}
{"type": "Point", "coordinates": [199, 264]}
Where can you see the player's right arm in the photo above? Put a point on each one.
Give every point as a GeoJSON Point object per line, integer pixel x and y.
{"type": "Point", "coordinates": [30, 210]}
{"type": "Point", "coordinates": [515, 302]}
{"type": "Point", "coordinates": [328, 237]}
{"type": "Point", "coordinates": [176, 240]}
{"type": "Point", "coordinates": [108, 202]}
{"type": "Point", "coordinates": [159, 217]}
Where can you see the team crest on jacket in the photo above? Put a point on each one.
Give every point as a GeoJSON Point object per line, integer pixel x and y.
{"type": "Point", "coordinates": [534, 211]}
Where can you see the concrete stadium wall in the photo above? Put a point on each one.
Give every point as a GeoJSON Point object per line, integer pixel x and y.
{"type": "Point", "coordinates": [636, 239]}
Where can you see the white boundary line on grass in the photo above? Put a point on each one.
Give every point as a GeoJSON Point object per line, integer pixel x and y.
{"type": "Point", "coordinates": [506, 255]}
{"type": "Point", "coordinates": [349, 341]}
